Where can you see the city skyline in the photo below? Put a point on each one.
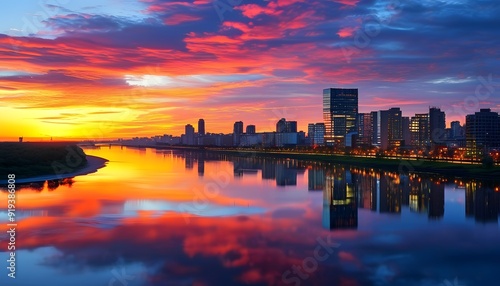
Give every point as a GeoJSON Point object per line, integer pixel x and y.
{"type": "Point", "coordinates": [117, 69]}
{"type": "Point", "coordinates": [273, 127]}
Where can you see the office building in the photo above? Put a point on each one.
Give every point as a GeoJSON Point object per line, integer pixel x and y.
{"type": "Point", "coordinates": [316, 133]}
{"type": "Point", "coordinates": [365, 129]}
{"type": "Point", "coordinates": [387, 128]}
{"type": "Point", "coordinates": [340, 109]}
{"type": "Point", "coordinates": [394, 127]}
{"type": "Point", "coordinates": [375, 126]}
{"type": "Point", "coordinates": [419, 128]}
{"type": "Point", "coordinates": [482, 133]}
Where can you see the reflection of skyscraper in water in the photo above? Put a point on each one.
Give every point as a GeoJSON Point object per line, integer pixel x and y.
{"type": "Point", "coordinates": [268, 170]}
{"type": "Point", "coordinates": [189, 161]}
{"type": "Point", "coordinates": [482, 202]}
{"type": "Point", "coordinates": [201, 165]}
{"type": "Point", "coordinates": [340, 200]}
{"type": "Point", "coordinates": [426, 197]}
{"type": "Point", "coordinates": [405, 189]}
{"type": "Point", "coordinates": [469, 198]}
{"type": "Point", "coordinates": [436, 200]}
{"type": "Point", "coordinates": [316, 179]}
{"type": "Point", "coordinates": [243, 166]}
{"type": "Point", "coordinates": [368, 190]}
{"type": "Point", "coordinates": [390, 193]}
{"type": "Point", "coordinates": [419, 192]}
{"type": "Point", "coordinates": [286, 175]}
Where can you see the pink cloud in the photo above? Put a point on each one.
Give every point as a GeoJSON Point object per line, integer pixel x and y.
{"type": "Point", "coordinates": [253, 10]}
{"type": "Point", "coordinates": [181, 18]}
{"type": "Point", "coordinates": [347, 2]}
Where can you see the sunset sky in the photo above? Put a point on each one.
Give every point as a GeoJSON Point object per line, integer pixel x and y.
{"type": "Point", "coordinates": [125, 68]}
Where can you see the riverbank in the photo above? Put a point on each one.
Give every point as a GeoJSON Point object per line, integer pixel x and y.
{"type": "Point", "coordinates": [401, 165]}
{"type": "Point", "coordinates": [465, 170]}
{"type": "Point", "coordinates": [33, 159]}
{"type": "Point", "coordinates": [94, 163]}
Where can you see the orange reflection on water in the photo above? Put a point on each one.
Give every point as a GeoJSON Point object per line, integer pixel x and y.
{"type": "Point", "coordinates": [155, 209]}
{"type": "Point", "coordinates": [131, 174]}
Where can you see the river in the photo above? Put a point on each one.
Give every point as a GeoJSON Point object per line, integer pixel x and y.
{"type": "Point", "coordinates": [163, 217]}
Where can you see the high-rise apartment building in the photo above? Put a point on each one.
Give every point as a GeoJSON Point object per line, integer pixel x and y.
{"type": "Point", "coordinates": [437, 126]}
{"type": "Point", "coordinates": [237, 131]}
{"type": "Point", "coordinates": [365, 129]}
{"type": "Point", "coordinates": [482, 132]}
{"type": "Point", "coordinates": [189, 134]}
{"type": "Point", "coordinates": [419, 128]}
{"type": "Point", "coordinates": [251, 129]}
{"type": "Point", "coordinates": [201, 127]}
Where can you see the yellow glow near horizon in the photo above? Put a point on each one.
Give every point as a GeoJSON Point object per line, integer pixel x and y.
{"type": "Point", "coordinates": [63, 123]}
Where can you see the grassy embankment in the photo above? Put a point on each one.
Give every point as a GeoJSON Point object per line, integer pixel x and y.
{"type": "Point", "coordinates": [27, 160]}
{"type": "Point", "coordinates": [420, 166]}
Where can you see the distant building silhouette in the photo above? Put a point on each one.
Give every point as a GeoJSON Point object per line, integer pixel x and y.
{"type": "Point", "coordinates": [284, 126]}
{"type": "Point", "coordinates": [201, 127]}
{"type": "Point", "coordinates": [237, 132]}
{"type": "Point", "coordinates": [189, 135]}
{"type": "Point", "coordinates": [457, 131]}
{"type": "Point", "coordinates": [251, 129]}
{"type": "Point", "coordinates": [406, 131]}
{"type": "Point", "coordinates": [437, 126]}
{"type": "Point", "coordinates": [291, 126]}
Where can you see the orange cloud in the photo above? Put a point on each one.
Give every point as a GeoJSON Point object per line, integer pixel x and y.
{"type": "Point", "coordinates": [346, 32]}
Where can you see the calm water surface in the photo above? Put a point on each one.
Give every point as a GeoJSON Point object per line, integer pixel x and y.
{"type": "Point", "coordinates": [161, 217]}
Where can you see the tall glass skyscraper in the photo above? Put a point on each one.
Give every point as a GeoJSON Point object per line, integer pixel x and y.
{"type": "Point", "coordinates": [340, 109]}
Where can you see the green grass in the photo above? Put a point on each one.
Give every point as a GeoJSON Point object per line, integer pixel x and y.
{"type": "Point", "coordinates": [420, 166]}
{"type": "Point", "coordinates": [27, 160]}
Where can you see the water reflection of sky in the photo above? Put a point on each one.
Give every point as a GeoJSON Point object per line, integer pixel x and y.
{"type": "Point", "coordinates": [170, 218]}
